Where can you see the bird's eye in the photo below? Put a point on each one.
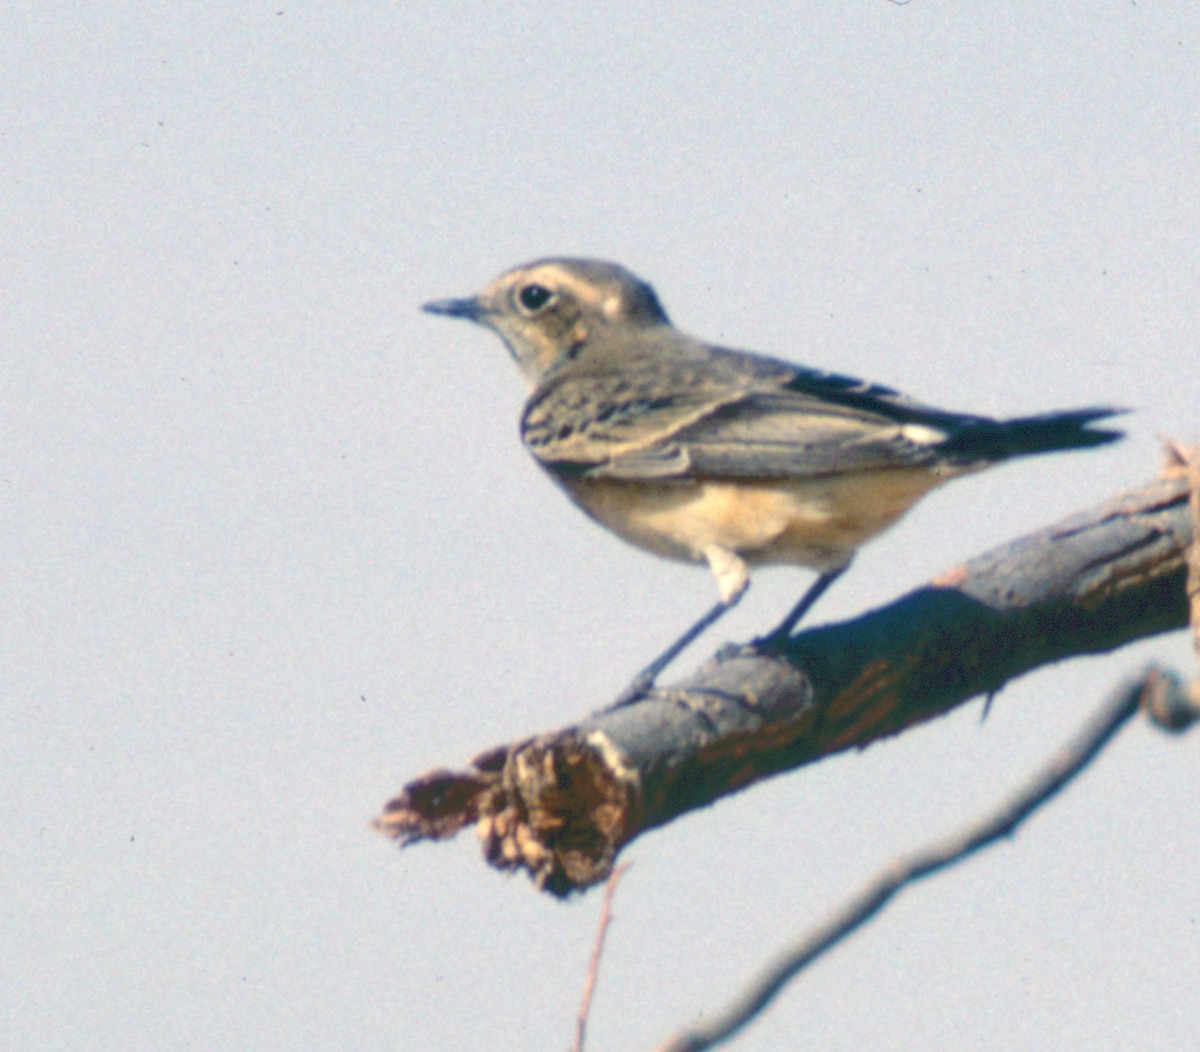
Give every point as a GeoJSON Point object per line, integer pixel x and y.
{"type": "Point", "coordinates": [534, 297]}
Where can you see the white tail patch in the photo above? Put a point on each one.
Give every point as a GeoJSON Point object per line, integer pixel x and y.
{"type": "Point", "coordinates": [920, 435]}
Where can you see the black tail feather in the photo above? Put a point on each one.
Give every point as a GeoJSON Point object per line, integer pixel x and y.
{"type": "Point", "coordinates": [990, 440]}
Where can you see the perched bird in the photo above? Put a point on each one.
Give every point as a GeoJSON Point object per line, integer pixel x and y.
{"type": "Point", "coordinates": [705, 454]}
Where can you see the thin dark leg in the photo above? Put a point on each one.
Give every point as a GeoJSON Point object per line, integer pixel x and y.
{"type": "Point", "coordinates": [780, 633]}
{"type": "Point", "coordinates": [644, 680]}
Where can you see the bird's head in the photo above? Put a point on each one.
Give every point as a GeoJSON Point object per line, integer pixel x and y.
{"type": "Point", "coordinates": [546, 311]}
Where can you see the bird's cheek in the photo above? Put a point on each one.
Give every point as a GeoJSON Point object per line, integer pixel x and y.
{"type": "Point", "coordinates": [578, 334]}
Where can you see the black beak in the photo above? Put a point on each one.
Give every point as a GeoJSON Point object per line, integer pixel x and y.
{"type": "Point", "coordinates": [471, 309]}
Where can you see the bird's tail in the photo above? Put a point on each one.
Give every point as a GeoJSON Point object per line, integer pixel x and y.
{"type": "Point", "coordinates": [991, 440]}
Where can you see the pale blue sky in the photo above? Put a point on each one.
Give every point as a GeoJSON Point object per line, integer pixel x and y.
{"type": "Point", "coordinates": [272, 547]}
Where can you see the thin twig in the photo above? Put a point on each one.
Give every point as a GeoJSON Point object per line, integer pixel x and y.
{"type": "Point", "coordinates": [1064, 766]}
{"type": "Point", "coordinates": [589, 984]}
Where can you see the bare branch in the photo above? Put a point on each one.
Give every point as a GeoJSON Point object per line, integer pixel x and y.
{"type": "Point", "coordinates": [563, 804]}
{"type": "Point", "coordinates": [1044, 786]}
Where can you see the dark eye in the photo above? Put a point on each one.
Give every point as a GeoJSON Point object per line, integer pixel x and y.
{"type": "Point", "coordinates": [534, 297]}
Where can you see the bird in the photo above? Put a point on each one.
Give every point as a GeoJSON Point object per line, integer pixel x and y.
{"type": "Point", "coordinates": [705, 454]}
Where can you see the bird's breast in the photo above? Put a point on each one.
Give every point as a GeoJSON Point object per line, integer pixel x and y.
{"type": "Point", "coordinates": [818, 523]}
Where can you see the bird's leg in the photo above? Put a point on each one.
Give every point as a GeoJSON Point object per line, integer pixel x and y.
{"type": "Point", "coordinates": [732, 580]}
{"type": "Point", "coordinates": [644, 680]}
{"type": "Point", "coordinates": [778, 636]}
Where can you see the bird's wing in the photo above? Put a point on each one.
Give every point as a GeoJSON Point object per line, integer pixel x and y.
{"type": "Point", "coordinates": [726, 416]}
{"type": "Point", "coordinates": [780, 434]}
{"type": "Point", "coordinates": [589, 421]}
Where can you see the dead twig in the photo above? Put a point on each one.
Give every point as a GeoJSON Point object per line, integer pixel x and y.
{"type": "Point", "coordinates": [1061, 769]}
{"type": "Point", "coordinates": [589, 984]}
